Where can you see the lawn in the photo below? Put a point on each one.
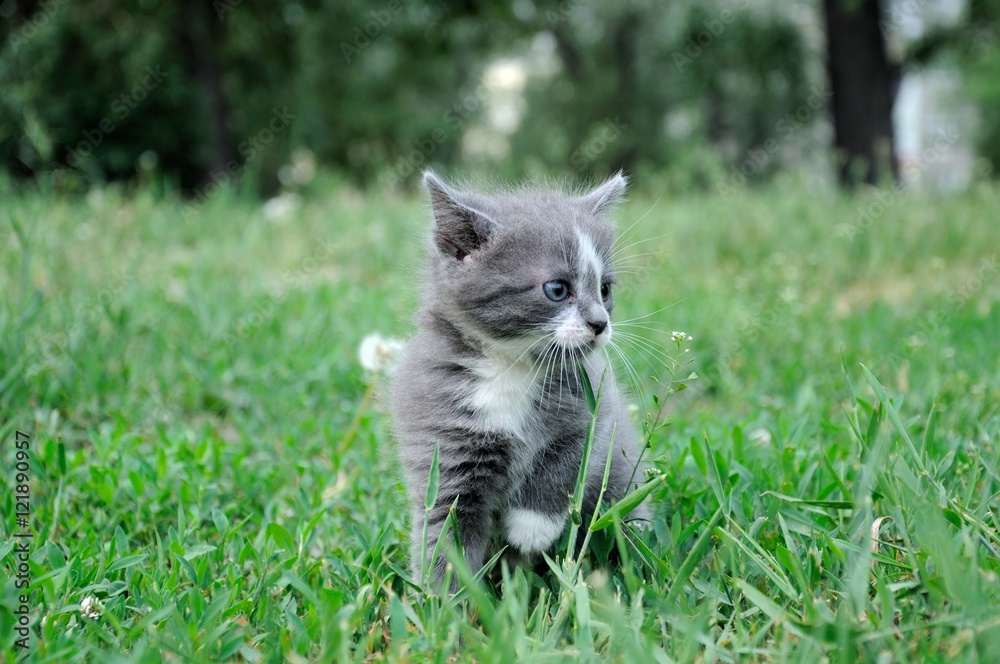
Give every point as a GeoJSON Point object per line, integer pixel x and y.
{"type": "Point", "coordinates": [212, 475]}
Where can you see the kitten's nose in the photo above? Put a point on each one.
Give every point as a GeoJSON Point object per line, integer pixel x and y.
{"type": "Point", "coordinates": [597, 326]}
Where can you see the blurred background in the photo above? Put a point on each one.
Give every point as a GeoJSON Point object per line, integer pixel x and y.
{"type": "Point", "coordinates": [187, 96]}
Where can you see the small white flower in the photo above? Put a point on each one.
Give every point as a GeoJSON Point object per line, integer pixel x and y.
{"type": "Point", "coordinates": [378, 353]}
{"type": "Point", "coordinates": [680, 337]}
{"type": "Point", "coordinates": [91, 607]}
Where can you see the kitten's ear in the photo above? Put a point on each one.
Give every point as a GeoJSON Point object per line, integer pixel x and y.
{"type": "Point", "coordinates": [602, 199]}
{"type": "Point", "coordinates": [460, 228]}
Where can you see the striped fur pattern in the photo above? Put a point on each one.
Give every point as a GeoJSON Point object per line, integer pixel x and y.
{"type": "Point", "coordinates": [520, 290]}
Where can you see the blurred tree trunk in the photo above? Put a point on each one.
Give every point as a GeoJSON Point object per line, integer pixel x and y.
{"type": "Point", "coordinates": [861, 81]}
{"type": "Point", "coordinates": [202, 64]}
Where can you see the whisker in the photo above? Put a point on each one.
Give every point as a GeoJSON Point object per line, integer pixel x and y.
{"type": "Point", "coordinates": [518, 359]}
{"type": "Point", "coordinates": [630, 269]}
{"type": "Point", "coordinates": [630, 320]}
{"type": "Point", "coordinates": [576, 379]}
{"type": "Point", "coordinates": [652, 346]}
{"type": "Point", "coordinates": [661, 330]}
{"type": "Point", "coordinates": [562, 368]}
{"type": "Point", "coordinates": [645, 343]}
{"type": "Point", "coordinates": [551, 377]}
{"type": "Point", "coordinates": [625, 232]}
{"type": "Point", "coordinates": [653, 356]}
{"type": "Point", "coordinates": [547, 376]}
{"type": "Point", "coordinates": [631, 275]}
{"type": "Point", "coordinates": [642, 255]}
{"type": "Point", "coordinates": [619, 251]}
{"type": "Point", "coordinates": [627, 365]}
{"type": "Point", "coordinates": [620, 269]}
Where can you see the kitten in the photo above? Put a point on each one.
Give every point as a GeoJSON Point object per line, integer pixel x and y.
{"type": "Point", "coordinates": [520, 290]}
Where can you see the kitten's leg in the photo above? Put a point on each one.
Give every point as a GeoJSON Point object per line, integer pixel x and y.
{"type": "Point", "coordinates": [473, 470]}
{"type": "Point", "coordinates": [537, 513]}
{"type": "Point", "coordinates": [474, 527]}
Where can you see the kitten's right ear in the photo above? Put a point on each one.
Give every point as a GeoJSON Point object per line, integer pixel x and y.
{"type": "Point", "coordinates": [606, 196]}
{"type": "Point", "coordinates": [460, 228]}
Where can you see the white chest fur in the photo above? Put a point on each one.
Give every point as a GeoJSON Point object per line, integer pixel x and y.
{"type": "Point", "coordinates": [504, 396]}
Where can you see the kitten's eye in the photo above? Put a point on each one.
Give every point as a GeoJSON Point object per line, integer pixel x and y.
{"type": "Point", "coordinates": [557, 291]}
{"type": "Point", "coordinates": [605, 292]}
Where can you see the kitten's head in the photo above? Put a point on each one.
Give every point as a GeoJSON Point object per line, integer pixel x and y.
{"type": "Point", "coordinates": [525, 271]}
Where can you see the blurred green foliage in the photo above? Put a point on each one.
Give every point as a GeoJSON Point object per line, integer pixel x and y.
{"type": "Point", "coordinates": [188, 92]}
{"type": "Point", "coordinates": [649, 87]}
{"type": "Point", "coordinates": [380, 89]}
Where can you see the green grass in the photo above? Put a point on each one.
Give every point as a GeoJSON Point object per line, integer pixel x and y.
{"type": "Point", "coordinates": [209, 463]}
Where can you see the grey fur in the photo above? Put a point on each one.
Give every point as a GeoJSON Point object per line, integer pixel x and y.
{"type": "Point", "coordinates": [510, 417]}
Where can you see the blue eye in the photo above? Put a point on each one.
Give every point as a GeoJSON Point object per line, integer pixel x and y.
{"type": "Point", "coordinates": [557, 291]}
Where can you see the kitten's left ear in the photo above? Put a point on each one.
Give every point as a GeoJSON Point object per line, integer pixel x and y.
{"type": "Point", "coordinates": [460, 228]}
{"type": "Point", "coordinates": [602, 199]}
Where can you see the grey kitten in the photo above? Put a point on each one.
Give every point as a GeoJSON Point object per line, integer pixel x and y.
{"type": "Point", "coordinates": [520, 290]}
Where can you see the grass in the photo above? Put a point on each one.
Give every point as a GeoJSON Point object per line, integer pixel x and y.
{"type": "Point", "coordinates": [208, 460]}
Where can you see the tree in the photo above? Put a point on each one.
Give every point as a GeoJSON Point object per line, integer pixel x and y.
{"type": "Point", "coordinates": [862, 82]}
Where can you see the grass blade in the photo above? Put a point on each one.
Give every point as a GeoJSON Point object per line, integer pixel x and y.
{"type": "Point", "coordinates": [698, 551]}
{"type": "Point", "coordinates": [624, 507]}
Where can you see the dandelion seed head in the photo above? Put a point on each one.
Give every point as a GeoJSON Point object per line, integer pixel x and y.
{"type": "Point", "coordinates": [378, 353]}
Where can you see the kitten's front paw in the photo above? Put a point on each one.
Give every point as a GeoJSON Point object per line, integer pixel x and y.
{"type": "Point", "coordinates": [530, 531]}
